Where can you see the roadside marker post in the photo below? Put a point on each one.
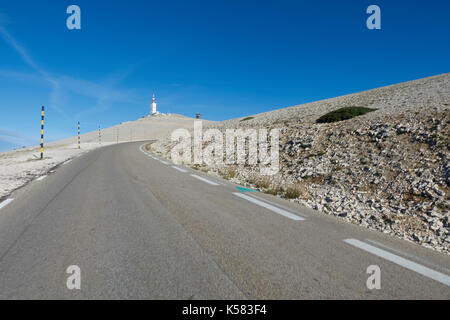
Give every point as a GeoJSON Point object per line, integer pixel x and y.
{"type": "Point", "coordinates": [78, 134]}
{"type": "Point", "coordinates": [42, 133]}
{"type": "Point", "coordinates": [99, 136]}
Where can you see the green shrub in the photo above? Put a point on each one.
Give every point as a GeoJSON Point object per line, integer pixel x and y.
{"type": "Point", "coordinates": [248, 118]}
{"type": "Point", "coordinates": [343, 114]}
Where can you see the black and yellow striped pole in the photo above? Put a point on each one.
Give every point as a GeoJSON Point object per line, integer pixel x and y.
{"type": "Point", "coordinates": [42, 133]}
{"type": "Point", "coordinates": [78, 134]}
{"type": "Point", "coordinates": [99, 136]}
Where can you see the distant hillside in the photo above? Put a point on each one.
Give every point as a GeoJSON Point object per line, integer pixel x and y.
{"type": "Point", "coordinates": [386, 170]}
{"type": "Point", "coordinates": [393, 99]}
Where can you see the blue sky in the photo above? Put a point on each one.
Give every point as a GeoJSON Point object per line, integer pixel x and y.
{"type": "Point", "coordinates": [224, 59]}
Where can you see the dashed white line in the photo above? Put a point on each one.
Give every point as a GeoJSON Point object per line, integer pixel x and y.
{"type": "Point", "coordinates": [204, 180]}
{"type": "Point", "coordinates": [41, 178]}
{"type": "Point", "coordinates": [427, 272]}
{"type": "Point", "coordinates": [282, 212]}
{"type": "Point", "coordinates": [179, 169]}
{"type": "Point", "coordinates": [408, 255]}
{"type": "Point", "coordinates": [151, 156]}
{"type": "Point", "coordinates": [140, 148]}
{"type": "Point", "coordinates": [275, 204]}
{"type": "Point", "coordinates": [5, 203]}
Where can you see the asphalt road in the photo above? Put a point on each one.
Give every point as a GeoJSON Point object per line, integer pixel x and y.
{"type": "Point", "coordinates": [138, 228]}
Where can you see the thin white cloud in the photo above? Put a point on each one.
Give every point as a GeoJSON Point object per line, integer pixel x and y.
{"type": "Point", "coordinates": [104, 93]}
{"type": "Point", "coordinates": [23, 54]}
{"type": "Point", "coordinates": [35, 79]}
{"type": "Point", "coordinates": [13, 137]}
{"type": "Point", "coordinates": [28, 60]}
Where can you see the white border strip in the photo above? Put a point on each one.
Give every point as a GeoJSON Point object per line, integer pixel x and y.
{"type": "Point", "coordinates": [5, 203]}
{"type": "Point", "coordinates": [427, 272]}
{"type": "Point", "coordinates": [204, 180]}
{"type": "Point", "coordinates": [140, 148]}
{"type": "Point", "coordinates": [282, 212]}
{"type": "Point", "coordinates": [150, 155]}
{"type": "Point", "coordinates": [425, 262]}
{"type": "Point", "coordinates": [179, 169]}
{"type": "Point", "coordinates": [41, 178]}
{"type": "Point", "coordinates": [275, 204]}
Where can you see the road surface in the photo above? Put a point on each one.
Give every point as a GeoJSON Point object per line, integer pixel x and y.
{"type": "Point", "coordinates": [141, 228]}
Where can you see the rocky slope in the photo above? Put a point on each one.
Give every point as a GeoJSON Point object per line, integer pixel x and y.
{"type": "Point", "coordinates": [387, 170]}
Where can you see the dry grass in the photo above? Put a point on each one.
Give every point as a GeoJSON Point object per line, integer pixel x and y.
{"type": "Point", "coordinates": [273, 191]}
{"type": "Point", "coordinates": [263, 183]}
{"type": "Point", "coordinates": [260, 183]}
{"type": "Point", "coordinates": [296, 191]}
{"type": "Point", "coordinates": [228, 173]}
{"type": "Point", "coordinates": [149, 145]}
{"type": "Point", "coordinates": [415, 199]}
{"type": "Point", "coordinates": [37, 159]}
{"type": "Point", "coordinates": [292, 193]}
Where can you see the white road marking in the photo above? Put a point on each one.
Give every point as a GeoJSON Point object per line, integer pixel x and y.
{"type": "Point", "coordinates": [41, 178]}
{"type": "Point", "coordinates": [408, 255]}
{"type": "Point", "coordinates": [5, 203]}
{"type": "Point", "coordinates": [67, 161]}
{"type": "Point", "coordinates": [204, 180]}
{"type": "Point", "coordinates": [427, 272]}
{"type": "Point", "coordinates": [179, 169]}
{"type": "Point", "coordinates": [275, 204]}
{"type": "Point", "coordinates": [282, 212]}
{"type": "Point", "coordinates": [150, 155]}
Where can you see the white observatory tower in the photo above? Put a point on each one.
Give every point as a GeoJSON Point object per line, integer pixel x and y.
{"type": "Point", "coordinates": [153, 106]}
